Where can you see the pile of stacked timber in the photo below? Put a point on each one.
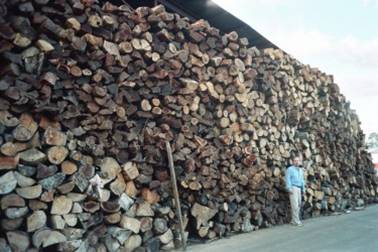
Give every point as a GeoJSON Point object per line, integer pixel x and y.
{"type": "Point", "coordinates": [89, 94]}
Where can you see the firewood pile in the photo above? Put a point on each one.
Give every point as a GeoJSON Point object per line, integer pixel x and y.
{"type": "Point", "coordinates": [89, 94]}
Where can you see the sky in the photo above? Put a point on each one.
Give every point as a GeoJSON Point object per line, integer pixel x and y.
{"type": "Point", "coordinates": [339, 37]}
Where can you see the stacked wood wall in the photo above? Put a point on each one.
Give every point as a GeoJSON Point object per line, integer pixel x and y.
{"type": "Point", "coordinates": [89, 94]}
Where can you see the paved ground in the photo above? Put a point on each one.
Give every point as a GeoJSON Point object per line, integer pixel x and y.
{"type": "Point", "coordinates": [357, 231]}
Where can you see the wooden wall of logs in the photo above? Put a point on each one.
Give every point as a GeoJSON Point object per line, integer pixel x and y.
{"type": "Point", "coordinates": [90, 93]}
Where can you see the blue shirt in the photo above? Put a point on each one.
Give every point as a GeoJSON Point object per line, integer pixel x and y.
{"type": "Point", "coordinates": [294, 177]}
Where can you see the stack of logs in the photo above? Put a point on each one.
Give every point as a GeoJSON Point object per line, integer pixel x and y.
{"type": "Point", "coordinates": [89, 94]}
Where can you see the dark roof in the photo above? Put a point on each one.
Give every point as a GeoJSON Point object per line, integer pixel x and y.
{"type": "Point", "coordinates": [213, 13]}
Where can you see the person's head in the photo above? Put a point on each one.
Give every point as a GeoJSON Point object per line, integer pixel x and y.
{"type": "Point", "coordinates": [296, 160]}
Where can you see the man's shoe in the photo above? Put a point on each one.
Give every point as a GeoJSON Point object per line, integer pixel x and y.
{"type": "Point", "coordinates": [300, 224]}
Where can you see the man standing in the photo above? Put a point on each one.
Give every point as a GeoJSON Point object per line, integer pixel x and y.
{"type": "Point", "coordinates": [295, 185]}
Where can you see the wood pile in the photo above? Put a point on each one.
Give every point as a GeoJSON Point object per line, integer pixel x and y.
{"type": "Point", "coordinates": [89, 94]}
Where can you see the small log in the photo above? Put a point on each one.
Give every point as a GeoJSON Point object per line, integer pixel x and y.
{"type": "Point", "coordinates": [57, 154]}
{"type": "Point", "coordinates": [32, 156]}
{"type": "Point", "coordinates": [131, 170]}
{"type": "Point", "coordinates": [61, 205]}
{"type": "Point", "coordinates": [30, 192]}
{"type": "Point", "coordinates": [7, 163]}
{"type": "Point", "coordinates": [11, 149]}
{"type": "Point", "coordinates": [36, 221]}
{"type": "Point", "coordinates": [130, 224]}
{"type": "Point", "coordinates": [19, 241]}
{"type": "Point", "coordinates": [110, 168]}
{"type": "Point", "coordinates": [8, 183]}
{"type": "Point", "coordinates": [202, 214]}
{"type": "Point", "coordinates": [68, 167]}
{"type": "Point", "coordinates": [160, 225]}
{"type": "Point", "coordinates": [26, 129]}
{"type": "Point", "coordinates": [12, 200]}
{"type": "Point", "coordinates": [152, 197]}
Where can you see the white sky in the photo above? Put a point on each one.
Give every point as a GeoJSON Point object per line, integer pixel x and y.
{"type": "Point", "coordinates": [340, 37]}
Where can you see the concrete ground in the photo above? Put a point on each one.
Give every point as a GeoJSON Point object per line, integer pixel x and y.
{"type": "Point", "coordinates": [357, 231]}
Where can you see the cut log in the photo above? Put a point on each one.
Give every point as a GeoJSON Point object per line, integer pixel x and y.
{"type": "Point", "coordinates": [160, 225]}
{"type": "Point", "coordinates": [131, 170]}
{"type": "Point", "coordinates": [146, 106]}
{"type": "Point", "coordinates": [26, 129]}
{"type": "Point", "coordinates": [110, 168]}
{"type": "Point", "coordinates": [11, 149]}
{"type": "Point", "coordinates": [130, 224]}
{"type": "Point", "coordinates": [44, 45]}
{"type": "Point", "coordinates": [61, 205]}
{"type": "Point", "coordinates": [36, 221]}
{"type": "Point", "coordinates": [167, 237]}
{"type": "Point", "coordinates": [7, 163]}
{"type": "Point", "coordinates": [24, 181]}
{"type": "Point", "coordinates": [54, 137]}
{"type": "Point", "coordinates": [152, 197]}
{"type": "Point", "coordinates": [12, 200]}
{"type": "Point", "coordinates": [68, 167]}
{"type": "Point", "coordinates": [30, 192]}
{"type": "Point", "coordinates": [8, 183]}
{"type": "Point", "coordinates": [32, 156]}
{"type": "Point", "coordinates": [133, 242]}
{"type": "Point", "coordinates": [57, 154]}
{"type": "Point", "coordinates": [144, 210]}
{"type": "Point", "coordinates": [202, 214]}
{"type": "Point", "coordinates": [18, 241]}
